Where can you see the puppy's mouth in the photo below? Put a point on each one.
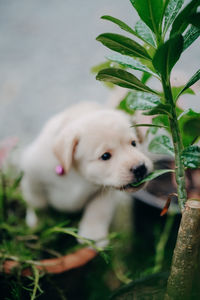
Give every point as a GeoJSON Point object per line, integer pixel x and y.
{"type": "Point", "coordinates": [131, 188]}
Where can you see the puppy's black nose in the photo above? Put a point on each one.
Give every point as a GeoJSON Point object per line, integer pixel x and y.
{"type": "Point", "coordinates": [139, 172]}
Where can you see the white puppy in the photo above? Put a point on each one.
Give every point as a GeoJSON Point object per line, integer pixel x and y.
{"type": "Point", "coordinates": [84, 158]}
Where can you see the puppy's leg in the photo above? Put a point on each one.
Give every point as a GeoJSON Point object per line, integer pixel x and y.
{"type": "Point", "coordinates": [98, 216]}
{"type": "Point", "coordinates": [34, 197]}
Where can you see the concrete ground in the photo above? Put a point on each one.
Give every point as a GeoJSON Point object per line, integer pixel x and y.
{"type": "Point", "coordinates": [46, 51]}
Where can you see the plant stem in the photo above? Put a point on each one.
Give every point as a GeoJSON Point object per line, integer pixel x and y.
{"type": "Point", "coordinates": [36, 282]}
{"type": "Point", "coordinates": [185, 263]}
{"type": "Point", "coordinates": [178, 145]}
{"type": "Point", "coordinates": [3, 199]}
{"type": "Point", "coordinates": [160, 248]}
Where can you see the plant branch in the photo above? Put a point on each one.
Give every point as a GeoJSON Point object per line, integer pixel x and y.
{"type": "Point", "coordinates": [160, 248]}
{"type": "Point", "coordinates": [178, 146]}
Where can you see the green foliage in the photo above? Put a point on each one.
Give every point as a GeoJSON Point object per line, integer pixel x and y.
{"type": "Point", "coordinates": [192, 81]}
{"type": "Point", "coordinates": [150, 12]}
{"type": "Point", "coordinates": [178, 90]}
{"type": "Point", "coordinates": [123, 106]}
{"type": "Point", "coordinates": [171, 12]}
{"type": "Point", "coordinates": [165, 31]}
{"type": "Point", "coordinates": [152, 176]}
{"type": "Point", "coordinates": [190, 36]}
{"type": "Point", "coordinates": [142, 101]}
{"type": "Point", "coordinates": [171, 51]}
{"type": "Point", "coordinates": [161, 145]}
{"type": "Point", "coordinates": [123, 45]}
{"type": "Point", "coordinates": [191, 157]}
{"type": "Point", "coordinates": [123, 79]}
{"type": "Point", "coordinates": [145, 33]}
{"type": "Point", "coordinates": [131, 63]}
{"type": "Point", "coordinates": [120, 23]}
{"type": "Point", "coordinates": [195, 19]}
{"type": "Point", "coordinates": [189, 122]}
{"type": "Point", "coordinates": [183, 19]}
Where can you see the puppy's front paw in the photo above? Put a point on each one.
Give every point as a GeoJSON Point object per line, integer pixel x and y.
{"type": "Point", "coordinates": [95, 234]}
{"type": "Point", "coordinates": [31, 218]}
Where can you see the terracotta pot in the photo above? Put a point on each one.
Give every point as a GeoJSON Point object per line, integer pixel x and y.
{"type": "Point", "coordinates": [56, 265]}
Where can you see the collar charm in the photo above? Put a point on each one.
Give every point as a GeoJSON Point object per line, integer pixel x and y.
{"type": "Point", "coordinates": [59, 170]}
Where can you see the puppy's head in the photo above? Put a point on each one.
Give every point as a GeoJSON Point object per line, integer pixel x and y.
{"type": "Point", "coordinates": [103, 148]}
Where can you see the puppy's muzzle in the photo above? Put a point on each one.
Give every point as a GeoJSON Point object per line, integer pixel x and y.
{"type": "Point", "coordinates": [139, 172]}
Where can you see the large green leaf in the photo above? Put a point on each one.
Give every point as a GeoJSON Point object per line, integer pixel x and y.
{"type": "Point", "coordinates": [130, 62]}
{"type": "Point", "coordinates": [195, 19]}
{"type": "Point", "coordinates": [145, 33]}
{"type": "Point", "coordinates": [120, 23]}
{"type": "Point", "coordinates": [152, 176]}
{"type": "Point", "coordinates": [182, 20]}
{"type": "Point", "coordinates": [189, 124]}
{"type": "Point", "coordinates": [142, 101]}
{"type": "Point", "coordinates": [171, 12]}
{"type": "Point", "coordinates": [123, 79]}
{"type": "Point", "coordinates": [149, 103]}
{"type": "Point", "coordinates": [161, 145]}
{"type": "Point", "coordinates": [191, 157]}
{"type": "Point", "coordinates": [167, 55]}
{"type": "Point", "coordinates": [192, 81]}
{"type": "Point", "coordinates": [150, 11]}
{"type": "Point", "coordinates": [190, 36]}
{"type": "Point", "coordinates": [123, 45]}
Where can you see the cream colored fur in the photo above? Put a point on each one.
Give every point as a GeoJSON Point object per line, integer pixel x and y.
{"type": "Point", "coordinates": [76, 139]}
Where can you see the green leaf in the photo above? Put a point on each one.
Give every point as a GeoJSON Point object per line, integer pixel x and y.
{"type": "Point", "coordinates": [120, 23]}
{"type": "Point", "coordinates": [145, 33]}
{"type": "Point", "coordinates": [190, 36]}
{"type": "Point", "coordinates": [171, 12]}
{"type": "Point", "coordinates": [161, 120]}
{"type": "Point", "coordinates": [123, 45]}
{"type": "Point", "coordinates": [167, 55]}
{"type": "Point", "coordinates": [161, 109]}
{"type": "Point", "coordinates": [182, 20]}
{"type": "Point", "coordinates": [95, 69]}
{"type": "Point", "coordinates": [161, 145]}
{"type": "Point", "coordinates": [123, 79]}
{"type": "Point", "coordinates": [142, 101]}
{"type": "Point", "coordinates": [177, 89]}
{"type": "Point", "coordinates": [130, 62]}
{"type": "Point", "coordinates": [192, 81]}
{"type": "Point", "coordinates": [150, 12]}
{"type": "Point", "coordinates": [191, 157]}
{"type": "Point", "coordinates": [189, 124]}
{"type": "Point", "coordinates": [189, 113]}
{"type": "Point", "coordinates": [145, 77]}
{"type": "Point", "coordinates": [153, 175]}
{"type": "Point", "coordinates": [195, 19]}
{"type": "Point", "coordinates": [123, 106]}
{"type": "Point", "coordinates": [148, 125]}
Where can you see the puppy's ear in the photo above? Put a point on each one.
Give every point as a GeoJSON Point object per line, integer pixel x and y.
{"type": "Point", "coordinates": [65, 146]}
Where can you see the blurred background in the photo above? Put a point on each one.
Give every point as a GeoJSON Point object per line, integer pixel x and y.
{"type": "Point", "coordinates": [47, 49]}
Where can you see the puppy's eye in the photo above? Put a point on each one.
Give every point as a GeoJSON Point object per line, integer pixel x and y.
{"type": "Point", "coordinates": [106, 156]}
{"type": "Point", "coordinates": [133, 143]}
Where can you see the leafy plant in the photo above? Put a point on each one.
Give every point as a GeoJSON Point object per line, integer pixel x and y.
{"type": "Point", "coordinates": [164, 32]}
